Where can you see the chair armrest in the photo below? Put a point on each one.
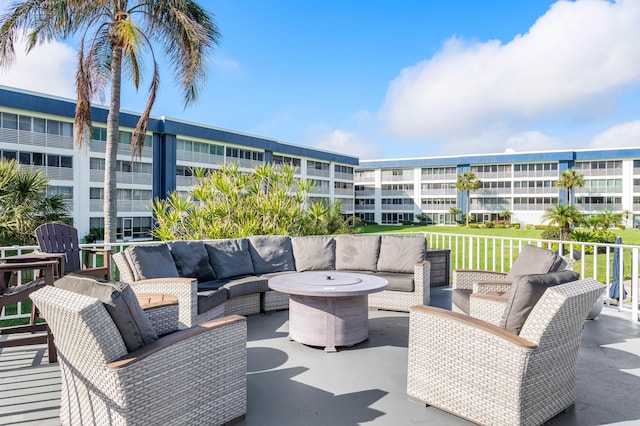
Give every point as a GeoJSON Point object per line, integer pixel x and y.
{"type": "Point", "coordinates": [464, 278]}
{"type": "Point", "coordinates": [456, 323]}
{"type": "Point", "coordinates": [174, 338]}
{"type": "Point", "coordinates": [491, 286]}
{"type": "Point", "coordinates": [488, 307]}
{"type": "Point", "coordinates": [185, 289]}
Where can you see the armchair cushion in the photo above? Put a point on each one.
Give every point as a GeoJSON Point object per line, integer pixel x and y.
{"type": "Point", "coordinates": [271, 253]}
{"type": "Point", "coordinates": [314, 253]}
{"type": "Point", "coordinates": [400, 253]}
{"type": "Point", "coordinates": [192, 260]}
{"type": "Point", "coordinates": [533, 260]}
{"type": "Point", "coordinates": [121, 304]}
{"type": "Point", "coordinates": [357, 252]}
{"type": "Point", "coordinates": [153, 261]}
{"type": "Point", "coordinates": [525, 292]}
{"type": "Point", "coordinates": [230, 258]}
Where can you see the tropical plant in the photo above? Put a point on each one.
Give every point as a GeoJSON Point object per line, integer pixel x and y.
{"type": "Point", "coordinates": [455, 211]}
{"type": "Point", "coordinates": [24, 204]}
{"type": "Point", "coordinates": [505, 215]}
{"type": "Point", "coordinates": [568, 180]}
{"type": "Point", "coordinates": [564, 216]}
{"type": "Point", "coordinates": [116, 37]}
{"type": "Point", "coordinates": [229, 203]}
{"type": "Point", "coordinates": [467, 182]}
{"type": "Point", "coordinates": [627, 214]}
{"type": "Point", "coordinates": [608, 219]}
{"type": "Point", "coordinates": [422, 217]}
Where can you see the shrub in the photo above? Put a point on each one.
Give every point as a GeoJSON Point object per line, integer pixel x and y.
{"type": "Point", "coordinates": [528, 226]}
{"type": "Point", "coordinates": [474, 225]}
{"type": "Point", "coordinates": [489, 225]}
{"type": "Point", "coordinates": [542, 227]}
{"type": "Point", "coordinates": [550, 233]}
{"type": "Point", "coordinates": [515, 225]}
{"type": "Point", "coordinates": [482, 226]}
{"type": "Point", "coordinates": [500, 226]}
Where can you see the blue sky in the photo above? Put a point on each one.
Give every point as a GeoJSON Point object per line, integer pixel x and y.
{"type": "Point", "coordinates": [405, 79]}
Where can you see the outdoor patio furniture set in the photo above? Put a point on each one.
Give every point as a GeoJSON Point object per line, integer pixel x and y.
{"type": "Point", "coordinates": [123, 372]}
{"type": "Point", "coordinates": [225, 277]}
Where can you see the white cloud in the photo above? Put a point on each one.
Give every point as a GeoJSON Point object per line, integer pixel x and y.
{"type": "Point", "coordinates": [347, 143]}
{"type": "Point", "coordinates": [48, 68]}
{"type": "Point", "coordinates": [572, 59]}
{"type": "Point", "coordinates": [622, 135]}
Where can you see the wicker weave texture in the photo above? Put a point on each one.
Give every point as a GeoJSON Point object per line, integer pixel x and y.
{"type": "Point", "coordinates": [123, 267]}
{"type": "Point", "coordinates": [274, 301]}
{"type": "Point", "coordinates": [403, 300]}
{"type": "Point", "coordinates": [185, 289]}
{"type": "Point", "coordinates": [464, 278]}
{"type": "Point", "coordinates": [486, 310]}
{"type": "Point", "coordinates": [164, 319]}
{"type": "Point", "coordinates": [198, 380]}
{"type": "Point", "coordinates": [243, 305]}
{"type": "Point", "coordinates": [490, 380]}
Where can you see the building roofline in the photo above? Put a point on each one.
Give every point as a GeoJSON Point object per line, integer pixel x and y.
{"type": "Point", "coordinates": [56, 105]}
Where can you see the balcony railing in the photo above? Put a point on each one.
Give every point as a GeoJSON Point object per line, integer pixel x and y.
{"type": "Point", "coordinates": [485, 253]}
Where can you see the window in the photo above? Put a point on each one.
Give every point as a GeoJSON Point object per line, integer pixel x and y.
{"type": "Point", "coordinates": [9, 121]}
{"type": "Point", "coordinates": [53, 160]}
{"type": "Point", "coordinates": [9, 155]}
{"type": "Point", "coordinates": [25, 158]}
{"type": "Point", "coordinates": [24, 123]}
{"type": "Point", "coordinates": [99, 134]}
{"type": "Point", "coordinates": [37, 159]}
{"type": "Point", "coordinates": [96, 164]}
{"type": "Point", "coordinates": [53, 127]}
{"type": "Point", "coordinates": [39, 125]}
{"type": "Point", "coordinates": [96, 193]}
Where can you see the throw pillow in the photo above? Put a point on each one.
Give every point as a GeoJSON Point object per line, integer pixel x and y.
{"type": "Point", "coordinates": [154, 261]}
{"type": "Point", "coordinates": [357, 252]}
{"type": "Point", "coordinates": [400, 253]}
{"type": "Point", "coordinates": [525, 292]}
{"type": "Point", "coordinates": [271, 253]}
{"type": "Point", "coordinates": [192, 260]}
{"type": "Point", "coordinates": [230, 258]}
{"type": "Point", "coordinates": [314, 253]}
{"type": "Point", "coordinates": [121, 304]}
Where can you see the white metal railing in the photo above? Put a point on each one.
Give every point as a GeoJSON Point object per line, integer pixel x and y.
{"type": "Point", "coordinates": [487, 253]}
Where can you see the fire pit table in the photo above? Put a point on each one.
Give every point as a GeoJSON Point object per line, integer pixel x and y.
{"type": "Point", "coordinates": [328, 308]}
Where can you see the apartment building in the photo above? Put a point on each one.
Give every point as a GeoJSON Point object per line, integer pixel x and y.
{"type": "Point", "coordinates": [37, 130]}
{"type": "Point", "coordinates": [390, 191]}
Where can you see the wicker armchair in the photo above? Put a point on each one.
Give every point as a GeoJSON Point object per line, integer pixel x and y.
{"type": "Point", "coordinates": [193, 376]}
{"type": "Point", "coordinates": [488, 375]}
{"type": "Point", "coordinates": [531, 260]}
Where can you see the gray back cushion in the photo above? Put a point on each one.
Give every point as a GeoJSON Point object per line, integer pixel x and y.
{"type": "Point", "coordinates": [192, 260]}
{"type": "Point", "coordinates": [121, 304]}
{"type": "Point", "coordinates": [314, 253]}
{"type": "Point", "coordinates": [533, 260]}
{"type": "Point", "coordinates": [230, 258]}
{"type": "Point", "coordinates": [525, 292]}
{"type": "Point", "coordinates": [271, 253]}
{"type": "Point", "coordinates": [357, 252]}
{"type": "Point", "coordinates": [151, 262]}
{"type": "Point", "coordinates": [400, 253]}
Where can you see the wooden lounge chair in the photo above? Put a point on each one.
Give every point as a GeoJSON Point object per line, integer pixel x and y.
{"type": "Point", "coordinates": [61, 238]}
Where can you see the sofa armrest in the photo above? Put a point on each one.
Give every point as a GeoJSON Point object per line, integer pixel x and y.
{"type": "Point", "coordinates": [488, 307]}
{"type": "Point", "coordinates": [179, 336]}
{"type": "Point", "coordinates": [185, 289]}
{"type": "Point", "coordinates": [422, 279]}
{"type": "Point", "coordinates": [464, 278]}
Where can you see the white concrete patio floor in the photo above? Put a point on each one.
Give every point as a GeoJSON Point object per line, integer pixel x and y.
{"type": "Point", "coordinates": [291, 384]}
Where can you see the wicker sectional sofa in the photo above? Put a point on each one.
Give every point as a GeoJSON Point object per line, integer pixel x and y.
{"type": "Point", "coordinates": [223, 277]}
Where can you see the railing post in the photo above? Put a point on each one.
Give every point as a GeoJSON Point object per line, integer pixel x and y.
{"type": "Point", "coordinates": [634, 284]}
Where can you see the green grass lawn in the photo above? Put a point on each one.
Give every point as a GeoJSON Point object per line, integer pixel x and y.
{"type": "Point", "coordinates": [482, 260]}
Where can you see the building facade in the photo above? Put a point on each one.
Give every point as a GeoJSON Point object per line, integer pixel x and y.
{"type": "Point", "coordinates": [37, 131]}
{"type": "Point", "coordinates": [390, 191]}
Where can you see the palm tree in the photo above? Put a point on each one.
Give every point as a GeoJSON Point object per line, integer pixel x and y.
{"type": "Point", "coordinates": [506, 214]}
{"type": "Point", "coordinates": [113, 35]}
{"type": "Point", "coordinates": [468, 181]}
{"type": "Point", "coordinates": [455, 211]}
{"type": "Point", "coordinates": [564, 216]}
{"type": "Point", "coordinates": [568, 180]}
{"type": "Point", "coordinates": [24, 204]}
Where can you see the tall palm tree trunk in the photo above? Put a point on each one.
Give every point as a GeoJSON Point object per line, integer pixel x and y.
{"type": "Point", "coordinates": [468, 207]}
{"type": "Point", "coordinates": [113, 140]}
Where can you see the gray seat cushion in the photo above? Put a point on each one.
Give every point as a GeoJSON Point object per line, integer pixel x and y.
{"type": "Point", "coordinates": [398, 281]}
{"type": "Point", "coordinates": [357, 252]}
{"type": "Point", "coordinates": [460, 297]}
{"type": "Point", "coordinates": [400, 253]}
{"type": "Point", "coordinates": [192, 260]}
{"type": "Point", "coordinates": [533, 260]}
{"type": "Point", "coordinates": [314, 253]}
{"type": "Point", "coordinates": [271, 253]}
{"type": "Point", "coordinates": [210, 298]}
{"type": "Point", "coordinates": [154, 261]}
{"type": "Point", "coordinates": [525, 292]}
{"type": "Point", "coordinates": [246, 285]}
{"type": "Point", "coordinates": [121, 304]}
{"type": "Point", "coordinates": [230, 258]}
